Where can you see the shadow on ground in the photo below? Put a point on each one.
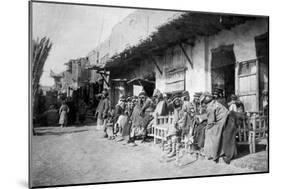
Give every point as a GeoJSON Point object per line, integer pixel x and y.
{"type": "Point", "coordinates": [40, 133]}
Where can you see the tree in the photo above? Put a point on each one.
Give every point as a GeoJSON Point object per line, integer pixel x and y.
{"type": "Point", "coordinates": [40, 52]}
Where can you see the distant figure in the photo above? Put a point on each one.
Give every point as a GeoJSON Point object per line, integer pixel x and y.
{"type": "Point", "coordinates": [72, 111]}
{"type": "Point", "coordinates": [63, 114]}
{"type": "Point", "coordinates": [82, 109]}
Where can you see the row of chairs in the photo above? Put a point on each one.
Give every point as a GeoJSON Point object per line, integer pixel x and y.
{"type": "Point", "coordinates": [252, 131]}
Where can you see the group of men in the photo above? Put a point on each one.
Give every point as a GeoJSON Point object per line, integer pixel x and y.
{"type": "Point", "coordinates": [205, 121]}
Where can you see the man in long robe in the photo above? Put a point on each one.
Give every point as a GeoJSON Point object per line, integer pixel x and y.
{"type": "Point", "coordinates": [174, 129]}
{"type": "Point", "coordinates": [103, 109]}
{"type": "Point", "coordinates": [121, 118]}
{"type": "Point", "coordinates": [216, 119]}
{"type": "Point", "coordinates": [140, 118]}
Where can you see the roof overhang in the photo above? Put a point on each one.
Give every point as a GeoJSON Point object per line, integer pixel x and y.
{"type": "Point", "coordinates": [182, 30]}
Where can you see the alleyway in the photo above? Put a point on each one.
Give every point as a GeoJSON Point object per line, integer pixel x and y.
{"type": "Point", "coordinates": [80, 155]}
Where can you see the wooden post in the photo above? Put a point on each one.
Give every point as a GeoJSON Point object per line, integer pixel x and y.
{"type": "Point", "coordinates": [258, 83]}
{"type": "Point", "coordinates": [186, 55]}
{"type": "Point", "coordinates": [254, 133]}
{"type": "Point", "coordinates": [157, 66]}
{"type": "Point", "coordinates": [155, 128]}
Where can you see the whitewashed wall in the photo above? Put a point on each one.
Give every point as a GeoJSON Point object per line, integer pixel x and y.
{"type": "Point", "coordinates": [243, 38]}
{"type": "Point", "coordinates": [131, 30]}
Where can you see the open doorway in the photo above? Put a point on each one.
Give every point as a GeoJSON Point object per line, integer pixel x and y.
{"type": "Point", "coordinates": [223, 70]}
{"type": "Point", "coordinates": [140, 84]}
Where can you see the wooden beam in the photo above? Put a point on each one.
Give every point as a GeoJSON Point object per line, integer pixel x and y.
{"type": "Point", "coordinates": [104, 79]}
{"type": "Point", "coordinates": [157, 66]}
{"type": "Point", "coordinates": [186, 55]}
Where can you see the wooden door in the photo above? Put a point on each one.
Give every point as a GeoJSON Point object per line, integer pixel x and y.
{"type": "Point", "coordinates": [248, 84]}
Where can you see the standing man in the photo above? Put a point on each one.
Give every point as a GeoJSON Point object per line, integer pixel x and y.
{"type": "Point", "coordinates": [216, 119]}
{"type": "Point", "coordinates": [174, 130]}
{"type": "Point", "coordinates": [82, 110]}
{"type": "Point", "coordinates": [218, 95]}
{"type": "Point", "coordinates": [187, 105]}
{"type": "Point", "coordinates": [196, 102]}
{"type": "Point", "coordinates": [102, 110]}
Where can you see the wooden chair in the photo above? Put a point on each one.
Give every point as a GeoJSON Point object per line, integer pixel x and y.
{"type": "Point", "coordinates": [258, 131]}
{"type": "Point", "coordinates": [252, 131]}
{"type": "Point", "coordinates": [160, 127]}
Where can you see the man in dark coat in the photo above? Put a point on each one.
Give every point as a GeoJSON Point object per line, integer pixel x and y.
{"type": "Point", "coordinates": [102, 110]}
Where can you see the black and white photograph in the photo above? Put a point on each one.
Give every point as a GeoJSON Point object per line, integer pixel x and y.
{"type": "Point", "coordinates": [126, 94]}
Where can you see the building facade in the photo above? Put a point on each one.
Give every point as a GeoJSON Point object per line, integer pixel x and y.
{"type": "Point", "coordinates": [191, 51]}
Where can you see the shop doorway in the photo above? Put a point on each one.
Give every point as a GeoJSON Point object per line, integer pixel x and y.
{"type": "Point", "coordinates": [223, 70]}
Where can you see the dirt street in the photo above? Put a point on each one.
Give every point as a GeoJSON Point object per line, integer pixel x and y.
{"type": "Point", "coordinates": [75, 155]}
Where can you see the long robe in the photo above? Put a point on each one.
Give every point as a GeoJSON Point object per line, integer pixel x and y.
{"type": "Point", "coordinates": [228, 149]}
{"type": "Point", "coordinates": [63, 114]}
{"type": "Point", "coordinates": [199, 130]}
{"type": "Point", "coordinates": [216, 119]}
{"type": "Point", "coordinates": [141, 118]}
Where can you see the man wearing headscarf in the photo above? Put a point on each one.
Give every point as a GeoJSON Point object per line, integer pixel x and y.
{"type": "Point", "coordinates": [187, 105]}
{"type": "Point", "coordinates": [235, 104]}
{"type": "Point", "coordinates": [174, 130]}
{"type": "Point", "coordinates": [140, 118]}
{"type": "Point", "coordinates": [118, 111]}
{"type": "Point", "coordinates": [218, 95]}
{"type": "Point", "coordinates": [196, 102]}
{"type": "Point", "coordinates": [161, 106]}
{"type": "Point", "coordinates": [219, 135]}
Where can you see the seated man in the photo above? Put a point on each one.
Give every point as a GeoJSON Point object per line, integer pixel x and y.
{"type": "Point", "coordinates": [161, 105]}
{"type": "Point", "coordinates": [140, 118]}
{"type": "Point", "coordinates": [161, 108]}
{"type": "Point", "coordinates": [118, 111]}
